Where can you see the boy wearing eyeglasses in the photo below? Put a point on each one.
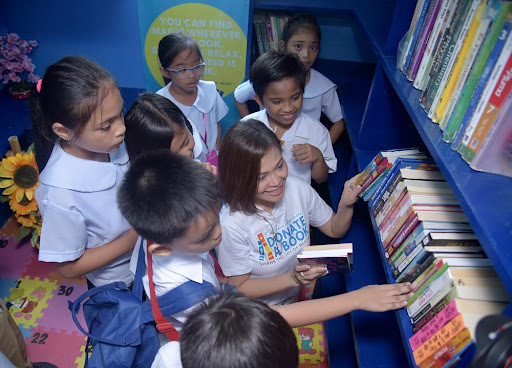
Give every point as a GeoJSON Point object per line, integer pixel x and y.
{"type": "Point", "coordinates": [181, 67]}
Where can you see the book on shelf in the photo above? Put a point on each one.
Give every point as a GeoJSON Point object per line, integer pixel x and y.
{"type": "Point", "coordinates": [419, 264]}
{"type": "Point", "coordinates": [407, 40]}
{"type": "Point", "coordinates": [465, 262]}
{"type": "Point", "coordinates": [491, 48]}
{"type": "Point", "coordinates": [421, 43]}
{"type": "Point", "coordinates": [336, 257]}
{"type": "Point", "coordinates": [260, 38]}
{"type": "Point", "coordinates": [418, 26]}
{"type": "Point", "coordinates": [469, 125]}
{"type": "Point", "coordinates": [444, 112]}
{"type": "Point", "coordinates": [495, 154]}
{"type": "Point", "coordinates": [471, 310]}
{"type": "Point", "coordinates": [464, 59]}
{"type": "Point", "coordinates": [450, 239]}
{"type": "Point", "coordinates": [502, 89]}
{"type": "Point", "coordinates": [451, 56]}
{"type": "Point", "coordinates": [441, 24]}
{"type": "Point", "coordinates": [443, 54]}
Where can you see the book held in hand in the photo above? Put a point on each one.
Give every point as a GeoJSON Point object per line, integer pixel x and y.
{"type": "Point", "coordinates": [337, 257]}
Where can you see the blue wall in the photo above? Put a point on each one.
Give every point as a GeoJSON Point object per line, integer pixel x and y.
{"type": "Point", "coordinates": [106, 31]}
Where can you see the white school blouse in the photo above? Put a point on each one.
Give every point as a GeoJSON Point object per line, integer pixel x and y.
{"type": "Point", "coordinates": [77, 200]}
{"type": "Point", "coordinates": [320, 95]}
{"type": "Point", "coordinates": [206, 111]}
{"type": "Point", "coordinates": [303, 130]}
{"type": "Point", "coordinates": [264, 245]}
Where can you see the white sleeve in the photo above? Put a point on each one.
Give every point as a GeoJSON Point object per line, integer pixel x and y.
{"type": "Point", "coordinates": [220, 107]}
{"type": "Point", "coordinates": [233, 252]}
{"type": "Point", "coordinates": [244, 92]}
{"type": "Point", "coordinates": [63, 235]}
{"type": "Point", "coordinates": [331, 106]}
{"type": "Point", "coordinates": [323, 143]}
{"type": "Point", "coordinates": [168, 356]}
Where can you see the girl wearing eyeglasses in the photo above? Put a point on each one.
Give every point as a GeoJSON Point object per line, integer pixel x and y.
{"type": "Point", "coordinates": [181, 65]}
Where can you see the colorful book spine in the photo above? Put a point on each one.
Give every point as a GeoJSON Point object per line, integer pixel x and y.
{"type": "Point", "coordinates": [402, 234]}
{"type": "Point", "coordinates": [493, 83]}
{"type": "Point", "coordinates": [419, 50]}
{"type": "Point", "coordinates": [408, 35]}
{"type": "Point", "coordinates": [402, 252]}
{"type": "Point", "coordinates": [442, 56]}
{"type": "Point", "coordinates": [450, 57]}
{"type": "Point", "coordinates": [383, 164]}
{"type": "Point", "coordinates": [468, 38]}
{"type": "Point", "coordinates": [420, 320]}
{"type": "Point", "coordinates": [479, 92]}
{"type": "Point", "coordinates": [422, 296]}
{"type": "Point", "coordinates": [394, 198]}
{"type": "Point", "coordinates": [478, 39]}
{"type": "Point", "coordinates": [495, 155]}
{"type": "Point", "coordinates": [493, 44]}
{"type": "Point", "coordinates": [259, 37]}
{"type": "Point", "coordinates": [416, 34]}
{"type": "Point", "coordinates": [425, 275]}
{"type": "Point", "coordinates": [451, 339]}
{"type": "Point", "coordinates": [408, 259]}
{"type": "Point", "coordinates": [440, 24]}
{"type": "Point", "coordinates": [489, 113]}
{"type": "Point", "coordinates": [434, 325]}
{"type": "Point", "coordinates": [416, 267]}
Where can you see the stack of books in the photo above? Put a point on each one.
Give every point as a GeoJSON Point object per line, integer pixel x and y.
{"type": "Point", "coordinates": [428, 241]}
{"type": "Point", "coordinates": [459, 54]}
{"type": "Point", "coordinates": [268, 28]}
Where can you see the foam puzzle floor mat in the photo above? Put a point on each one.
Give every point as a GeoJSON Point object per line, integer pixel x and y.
{"type": "Point", "coordinates": [39, 298]}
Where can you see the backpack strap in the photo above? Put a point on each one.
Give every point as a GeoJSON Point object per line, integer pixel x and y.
{"type": "Point", "coordinates": [162, 324]}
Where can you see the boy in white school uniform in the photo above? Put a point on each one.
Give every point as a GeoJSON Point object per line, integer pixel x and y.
{"type": "Point", "coordinates": [279, 79]}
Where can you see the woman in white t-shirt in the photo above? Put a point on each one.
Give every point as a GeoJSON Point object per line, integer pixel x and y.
{"type": "Point", "coordinates": [267, 218]}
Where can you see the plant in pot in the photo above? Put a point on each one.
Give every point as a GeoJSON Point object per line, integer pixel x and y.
{"type": "Point", "coordinates": [16, 68]}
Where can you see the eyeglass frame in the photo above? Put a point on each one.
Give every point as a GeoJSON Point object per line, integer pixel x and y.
{"type": "Point", "coordinates": [191, 69]}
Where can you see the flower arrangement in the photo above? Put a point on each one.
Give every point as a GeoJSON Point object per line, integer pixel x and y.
{"type": "Point", "coordinates": [19, 177]}
{"type": "Point", "coordinates": [15, 66]}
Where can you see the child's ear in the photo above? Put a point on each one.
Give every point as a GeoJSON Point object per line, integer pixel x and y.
{"type": "Point", "coordinates": [159, 250]}
{"type": "Point", "coordinates": [281, 45]}
{"type": "Point", "coordinates": [259, 101]}
{"type": "Point", "coordinates": [165, 72]}
{"type": "Point", "coordinates": [62, 132]}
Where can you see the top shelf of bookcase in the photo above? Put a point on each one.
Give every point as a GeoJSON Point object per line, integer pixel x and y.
{"type": "Point", "coordinates": [486, 198]}
{"type": "Point", "coordinates": [375, 24]}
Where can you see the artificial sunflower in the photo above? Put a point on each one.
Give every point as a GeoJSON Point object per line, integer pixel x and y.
{"type": "Point", "coordinates": [20, 176]}
{"type": "Point", "coordinates": [24, 207]}
{"type": "Point", "coordinates": [28, 220]}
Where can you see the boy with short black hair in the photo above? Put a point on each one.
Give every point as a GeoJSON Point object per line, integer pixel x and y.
{"type": "Point", "coordinates": [242, 332]}
{"type": "Point", "coordinates": [279, 79]}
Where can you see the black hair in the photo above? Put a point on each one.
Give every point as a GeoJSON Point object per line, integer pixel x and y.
{"type": "Point", "coordinates": [171, 45]}
{"type": "Point", "coordinates": [252, 140]}
{"type": "Point", "coordinates": [151, 124]}
{"type": "Point", "coordinates": [274, 66]}
{"type": "Point", "coordinates": [300, 21]}
{"type": "Point", "coordinates": [163, 193]}
{"type": "Point", "coordinates": [233, 331]}
{"type": "Point", "coordinates": [71, 90]}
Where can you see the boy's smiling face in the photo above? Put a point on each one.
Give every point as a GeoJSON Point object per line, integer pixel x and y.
{"type": "Point", "coordinates": [202, 235]}
{"type": "Point", "coordinates": [283, 102]}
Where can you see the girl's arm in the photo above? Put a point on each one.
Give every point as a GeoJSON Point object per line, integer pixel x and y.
{"type": "Point", "coordinates": [337, 130]}
{"type": "Point", "coordinates": [339, 223]}
{"type": "Point", "coordinates": [373, 298]}
{"type": "Point", "coordinates": [258, 288]}
{"type": "Point", "coordinates": [242, 108]}
{"type": "Point", "coordinates": [94, 258]}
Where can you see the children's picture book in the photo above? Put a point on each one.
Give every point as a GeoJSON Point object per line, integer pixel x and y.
{"type": "Point", "coordinates": [336, 257]}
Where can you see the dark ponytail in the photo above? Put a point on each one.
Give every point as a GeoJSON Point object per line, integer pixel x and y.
{"type": "Point", "coordinates": [70, 92]}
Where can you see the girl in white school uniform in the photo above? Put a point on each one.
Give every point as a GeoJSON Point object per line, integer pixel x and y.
{"type": "Point", "coordinates": [77, 119]}
{"type": "Point", "coordinates": [302, 36]}
{"type": "Point", "coordinates": [266, 221]}
{"type": "Point", "coordinates": [182, 66]}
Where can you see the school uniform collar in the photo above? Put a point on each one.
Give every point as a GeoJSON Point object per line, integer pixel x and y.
{"type": "Point", "coordinates": [205, 100]}
{"type": "Point", "coordinates": [297, 130]}
{"type": "Point", "coordinates": [318, 84]}
{"type": "Point", "coordinates": [70, 172]}
{"type": "Point", "coordinates": [190, 267]}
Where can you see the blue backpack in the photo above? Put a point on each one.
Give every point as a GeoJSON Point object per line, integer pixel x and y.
{"type": "Point", "coordinates": [122, 328]}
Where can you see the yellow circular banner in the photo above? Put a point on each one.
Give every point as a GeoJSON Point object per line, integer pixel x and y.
{"type": "Point", "coordinates": [222, 42]}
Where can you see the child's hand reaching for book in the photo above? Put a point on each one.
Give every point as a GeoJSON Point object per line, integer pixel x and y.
{"type": "Point", "coordinates": [350, 193]}
{"type": "Point", "coordinates": [305, 274]}
{"type": "Point", "coordinates": [306, 153]}
{"type": "Point", "coordinates": [381, 298]}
